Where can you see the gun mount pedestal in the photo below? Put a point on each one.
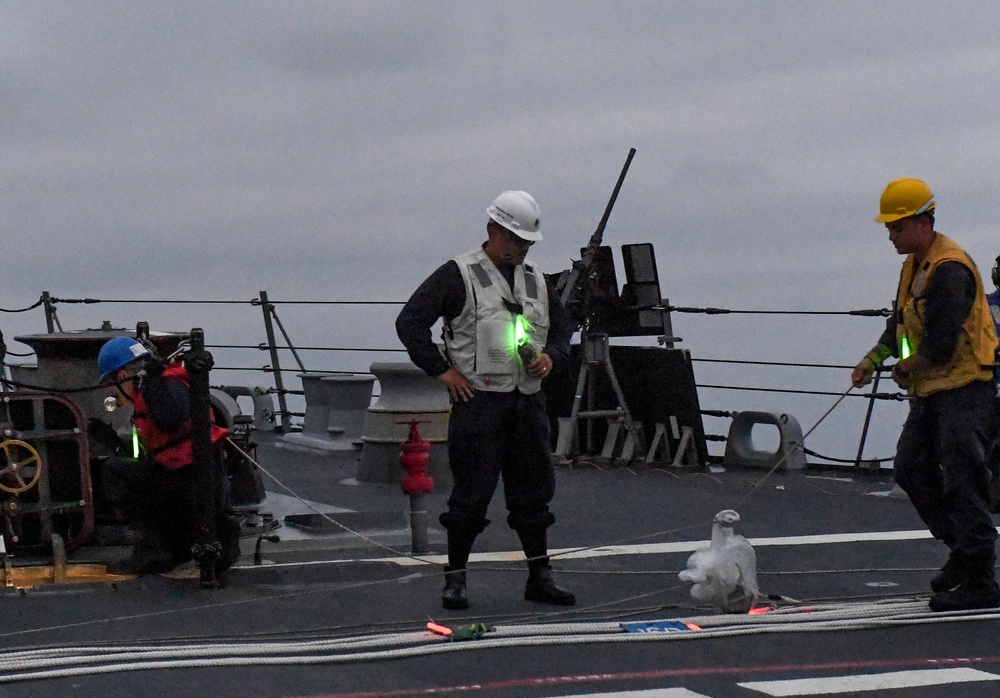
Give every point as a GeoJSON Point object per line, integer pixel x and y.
{"type": "Point", "coordinates": [596, 355]}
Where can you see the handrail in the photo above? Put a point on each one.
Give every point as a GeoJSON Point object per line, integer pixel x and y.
{"type": "Point", "coordinates": [277, 346]}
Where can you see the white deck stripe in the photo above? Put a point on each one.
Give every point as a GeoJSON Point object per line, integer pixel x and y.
{"type": "Point", "coordinates": [679, 547]}
{"type": "Point", "coordinates": [650, 693]}
{"type": "Point", "coordinates": [868, 682]}
{"type": "Point", "coordinates": [641, 549]}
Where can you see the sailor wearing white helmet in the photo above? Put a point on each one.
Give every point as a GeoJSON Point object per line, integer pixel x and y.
{"type": "Point", "coordinates": [504, 332]}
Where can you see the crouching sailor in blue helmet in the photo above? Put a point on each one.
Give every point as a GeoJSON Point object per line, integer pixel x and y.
{"type": "Point", "coordinates": [504, 330]}
{"type": "Point", "coordinates": [155, 492]}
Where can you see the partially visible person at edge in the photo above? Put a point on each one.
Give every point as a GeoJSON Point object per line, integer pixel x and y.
{"type": "Point", "coordinates": [943, 334]}
{"type": "Point", "coordinates": [498, 424]}
{"type": "Point", "coordinates": [993, 298]}
{"type": "Point", "coordinates": [155, 493]}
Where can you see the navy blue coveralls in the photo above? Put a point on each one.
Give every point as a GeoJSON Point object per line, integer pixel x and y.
{"type": "Point", "coordinates": [941, 457]}
{"type": "Point", "coordinates": [493, 434]}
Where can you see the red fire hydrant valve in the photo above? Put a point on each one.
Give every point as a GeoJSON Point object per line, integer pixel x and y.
{"type": "Point", "coordinates": [413, 456]}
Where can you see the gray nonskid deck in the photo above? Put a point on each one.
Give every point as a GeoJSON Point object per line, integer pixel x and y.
{"type": "Point", "coordinates": [620, 538]}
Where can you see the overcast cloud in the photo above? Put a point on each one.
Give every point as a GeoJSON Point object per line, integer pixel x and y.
{"type": "Point", "coordinates": [342, 150]}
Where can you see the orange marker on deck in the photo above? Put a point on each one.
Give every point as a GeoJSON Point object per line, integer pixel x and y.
{"type": "Point", "coordinates": [439, 629]}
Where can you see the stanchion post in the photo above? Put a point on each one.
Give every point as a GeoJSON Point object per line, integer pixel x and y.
{"type": "Point", "coordinates": [868, 419]}
{"type": "Point", "coordinates": [206, 549]}
{"type": "Point", "coordinates": [50, 312]}
{"type": "Point", "coordinates": [279, 384]}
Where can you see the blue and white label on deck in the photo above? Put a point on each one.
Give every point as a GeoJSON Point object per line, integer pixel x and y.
{"type": "Point", "coordinates": [655, 626]}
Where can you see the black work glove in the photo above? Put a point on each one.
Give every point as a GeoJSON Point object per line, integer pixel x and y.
{"type": "Point", "coordinates": [104, 434]}
{"type": "Point", "coordinates": [154, 366]}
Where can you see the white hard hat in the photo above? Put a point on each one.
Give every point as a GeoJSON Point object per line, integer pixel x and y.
{"type": "Point", "coordinates": [517, 212]}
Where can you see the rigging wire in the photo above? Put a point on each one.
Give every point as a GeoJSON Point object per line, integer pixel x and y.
{"type": "Point", "coordinates": [166, 301]}
{"type": "Point", "coordinates": [868, 312]}
{"type": "Point", "coordinates": [41, 299]}
{"type": "Point", "coordinates": [772, 363]}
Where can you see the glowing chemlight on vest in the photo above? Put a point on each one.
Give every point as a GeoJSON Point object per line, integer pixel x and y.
{"type": "Point", "coordinates": [135, 442]}
{"type": "Point", "coordinates": [904, 348]}
{"type": "Point", "coordinates": [521, 330]}
{"type": "Point", "coordinates": [522, 340]}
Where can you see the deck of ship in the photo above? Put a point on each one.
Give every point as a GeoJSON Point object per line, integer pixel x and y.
{"type": "Point", "coordinates": [834, 543]}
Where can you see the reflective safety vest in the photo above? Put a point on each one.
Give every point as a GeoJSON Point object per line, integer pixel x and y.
{"type": "Point", "coordinates": [172, 450]}
{"type": "Point", "coordinates": [977, 340]}
{"type": "Point", "coordinates": [480, 341]}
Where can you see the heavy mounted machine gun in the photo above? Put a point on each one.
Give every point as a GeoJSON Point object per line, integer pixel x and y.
{"type": "Point", "coordinates": [576, 286]}
{"type": "Point", "coordinates": [580, 290]}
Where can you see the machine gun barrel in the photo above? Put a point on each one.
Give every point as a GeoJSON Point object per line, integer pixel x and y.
{"type": "Point", "coordinates": [572, 291]}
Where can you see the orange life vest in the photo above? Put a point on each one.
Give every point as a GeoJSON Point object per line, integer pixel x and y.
{"type": "Point", "coordinates": [172, 450]}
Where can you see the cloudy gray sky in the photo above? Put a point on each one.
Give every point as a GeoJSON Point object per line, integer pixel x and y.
{"type": "Point", "coordinates": [341, 150]}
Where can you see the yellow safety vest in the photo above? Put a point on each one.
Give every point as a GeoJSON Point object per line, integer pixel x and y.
{"type": "Point", "coordinates": [977, 340]}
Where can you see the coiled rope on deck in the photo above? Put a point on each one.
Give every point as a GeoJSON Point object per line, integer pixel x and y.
{"type": "Point", "coordinates": [62, 662]}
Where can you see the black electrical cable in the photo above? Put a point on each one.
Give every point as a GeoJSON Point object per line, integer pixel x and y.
{"type": "Point", "coordinates": [810, 452]}
{"type": "Point", "coordinates": [37, 303]}
{"type": "Point", "coordinates": [47, 389]}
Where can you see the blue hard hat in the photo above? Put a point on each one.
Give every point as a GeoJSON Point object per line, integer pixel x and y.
{"type": "Point", "coordinates": [117, 353]}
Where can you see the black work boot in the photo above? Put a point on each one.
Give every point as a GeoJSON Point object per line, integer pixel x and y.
{"type": "Point", "coordinates": [541, 588]}
{"type": "Point", "coordinates": [951, 575]}
{"type": "Point", "coordinates": [454, 597]}
{"type": "Point", "coordinates": [979, 590]}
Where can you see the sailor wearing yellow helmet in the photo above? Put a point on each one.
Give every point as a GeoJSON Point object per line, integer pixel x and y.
{"type": "Point", "coordinates": [943, 335]}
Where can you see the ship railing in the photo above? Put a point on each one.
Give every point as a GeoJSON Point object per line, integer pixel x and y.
{"type": "Point", "coordinates": [286, 356]}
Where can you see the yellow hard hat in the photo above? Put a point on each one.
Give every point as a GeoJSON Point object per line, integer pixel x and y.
{"type": "Point", "coordinates": [903, 198]}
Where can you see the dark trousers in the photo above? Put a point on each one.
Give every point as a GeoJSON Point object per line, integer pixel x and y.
{"type": "Point", "coordinates": [941, 464]}
{"type": "Point", "coordinates": [160, 504]}
{"type": "Point", "coordinates": [496, 435]}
